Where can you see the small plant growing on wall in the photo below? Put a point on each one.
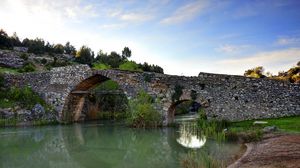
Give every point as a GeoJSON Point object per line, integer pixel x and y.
{"type": "Point", "coordinates": [193, 95]}
{"type": "Point", "coordinates": [147, 77]}
{"type": "Point", "coordinates": [178, 92]}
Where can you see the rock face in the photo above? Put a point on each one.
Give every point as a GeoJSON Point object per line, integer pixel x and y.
{"type": "Point", "coordinates": [37, 113]}
{"type": "Point", "coordinates": [21, 49]}
{"type": "Point", "coordinates": [226, 97]}
{"type": "Point", "coordinates": [10, 59]}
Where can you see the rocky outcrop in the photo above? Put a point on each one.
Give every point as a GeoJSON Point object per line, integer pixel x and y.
{"type": "Point", "coordinates": [24, 115]}
{"type": "Point", "coordinates": [11, 59]}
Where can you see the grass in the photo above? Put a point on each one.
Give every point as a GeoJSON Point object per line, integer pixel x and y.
{"type": "Point", "coordinates": [286, 124]}
{"type": "Point", "coordinates": [6, 103]}
{"type": "Point", "coordinates": [8, 122]}
{"type": "Point", "coordinates": [8, 70]}
{"type": "Point", "coordinates": [192, 160]}
{"type": "Point", "coordinates": [245, 131]}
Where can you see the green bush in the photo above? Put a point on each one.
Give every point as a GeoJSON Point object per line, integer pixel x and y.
{"type": "Point", "coordinates": [130, 66]}
{"type": "Point", "coordinates": [202, 114]}
{"type": "Point", "coordinates": [44, 61]}
{"type": "Point", "coordinates": [141, 112]}
{"type": "Point", "coordinates": [23, 97]}
{"type": "Point", "coordinates": [101, 66]}
{"type": "Point", "coordinates": [147, 77]}
{"type": "Point", "coordinates": [107, 85]}
{"type": "Point", "coordinates": [29, 67]}
{"type": "Point", "coordinates": [1, 80]}
{"type": "Point", "coordinates": [24, 56]}
{"type": "Point", "coordinates": [193, 95]}
{"type": "Point", "coordinates": [178, 92]}
{"type": "Point", "coordinates": [183, 108]}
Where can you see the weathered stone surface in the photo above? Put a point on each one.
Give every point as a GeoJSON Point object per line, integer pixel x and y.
{"type": "Point", "coordinates": [38, 111]}
{"type": "Point", "coordinates": [10, 59]}
{"type": "Point", "coordinates": [6, 113]}
{"type": "Point", "coordinates": [226, 97]}
{"type": "Point", "coordinates": [21, 49]}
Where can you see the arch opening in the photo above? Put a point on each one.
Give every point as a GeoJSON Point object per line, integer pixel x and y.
{"type": "Point", "coordinates": [85, 102]}
{"type": "Point", "coordinates": [182, 107]}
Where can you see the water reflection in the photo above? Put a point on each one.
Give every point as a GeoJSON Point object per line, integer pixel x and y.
{"type": "Point", "coordinates": [104, 145]}
{"type": "Point", "coordinates": [189, 136]}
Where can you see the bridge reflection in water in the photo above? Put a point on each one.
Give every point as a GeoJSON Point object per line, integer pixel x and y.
{"type": "Point", "coordinates": [189, 136]}
{"type": "Point", "coordinates": [99, 144]}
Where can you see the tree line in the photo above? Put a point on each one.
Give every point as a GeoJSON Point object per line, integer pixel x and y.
{"type": "Point", "coordinates": [84, 55]}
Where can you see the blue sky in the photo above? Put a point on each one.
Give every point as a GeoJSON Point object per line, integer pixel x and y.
{"type": "Point", "coordinates": [184, 37]}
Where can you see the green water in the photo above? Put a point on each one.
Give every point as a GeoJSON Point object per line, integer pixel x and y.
{"type": "Point", "coordinates": [99, 144]}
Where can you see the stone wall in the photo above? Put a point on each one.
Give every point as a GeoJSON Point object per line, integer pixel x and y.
{"type": "Point", "coordinates": [11, 59]}
{"type": "Point", "coordinates": [227, 97]}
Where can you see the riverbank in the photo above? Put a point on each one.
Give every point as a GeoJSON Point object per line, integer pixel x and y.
{"type": "Point", "coordinates": [274, 142]}
{"type": "Point", "coordinates": [274, 150]}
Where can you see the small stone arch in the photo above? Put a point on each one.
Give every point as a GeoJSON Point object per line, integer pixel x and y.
{"type": "Point", "coordinates": [74, 102]}
{"type": "Point", "coordinates": [171, 109]}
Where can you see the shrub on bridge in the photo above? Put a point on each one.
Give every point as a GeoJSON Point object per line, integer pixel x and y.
{"type": "Point", "coordinates": [100, 66]}
{"type": "Point", "coordinates": [141, 112]}
{"type": "Point", "coordinates": [130, 66]}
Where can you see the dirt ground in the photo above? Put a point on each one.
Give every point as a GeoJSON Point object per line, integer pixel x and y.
{"type": "Point", "coordinates": [274, 151]}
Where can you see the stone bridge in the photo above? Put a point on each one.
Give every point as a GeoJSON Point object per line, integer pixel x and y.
{"type": "Point", "coordinates": [226, 97]}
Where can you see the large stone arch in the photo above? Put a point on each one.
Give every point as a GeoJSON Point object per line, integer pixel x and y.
{"type": "Point", "coordinates": [74, 102]}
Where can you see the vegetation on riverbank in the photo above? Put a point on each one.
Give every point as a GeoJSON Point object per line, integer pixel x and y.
{"type": "Point", "coordinates": [202, 160]}
{"type": "Point", "coordinates": [245, 131]}
{"type": "Point", "coordinates": [23, 97]}
{"type": "Point", "coordinates": [285, 124]}
{"type": "Point", "coordinates": [141, 112]}
{"type": "Point", "coordinates": [242, 132]}
{"type": "Point", "coordinates": [17, 100]}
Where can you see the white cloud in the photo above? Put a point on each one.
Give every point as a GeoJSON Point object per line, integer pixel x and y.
{"type": "Point", "coordinates": [273, 61]}
{"type": "Point", "coordinates": [227, 48]}
{"type": "Point", "coordinates": [135, 17]}
{"type": "Point", "coordinates": [112, 26]}
{"type": "Point", "coordinates": [185, 13]}
{"type": "Point", "coordinates": [288, 41]}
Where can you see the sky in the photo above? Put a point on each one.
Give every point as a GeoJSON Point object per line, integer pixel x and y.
{"type": "Point", "coordinates": [184, 37]}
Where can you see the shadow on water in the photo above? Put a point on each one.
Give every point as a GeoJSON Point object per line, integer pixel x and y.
{"type": "Point", "coordinates": [102, 144]}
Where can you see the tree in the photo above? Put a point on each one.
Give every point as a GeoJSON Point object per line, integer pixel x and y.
{"type": "Point", "coordinates": [298, 64]}
{"type": "Point", "coordinates": [151, 68]}
{"type": "Point", "coordinates": [36, 46]}
{"type": "Point", "coordinates": [126, 53]}
{"type": "Point", "coordinates": [256, 72]}
{"type": "Point", "coordinates": [59, 49]}
{"type": "Point", "coordinates": [69, 49]}
{"type": "Point", "coordinates": [49, 48]}
{"type": "Point", "coordinates": [5, 41]}
{"type": "Point", "coordinates": [15, 40]}
{"type": "Point", "coordinates": [84, 56]}
{"type": "Point", "coordinates": [115, 60]}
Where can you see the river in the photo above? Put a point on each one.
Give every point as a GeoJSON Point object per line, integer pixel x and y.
{"type": "Point", "coordinates": [104, 144]}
